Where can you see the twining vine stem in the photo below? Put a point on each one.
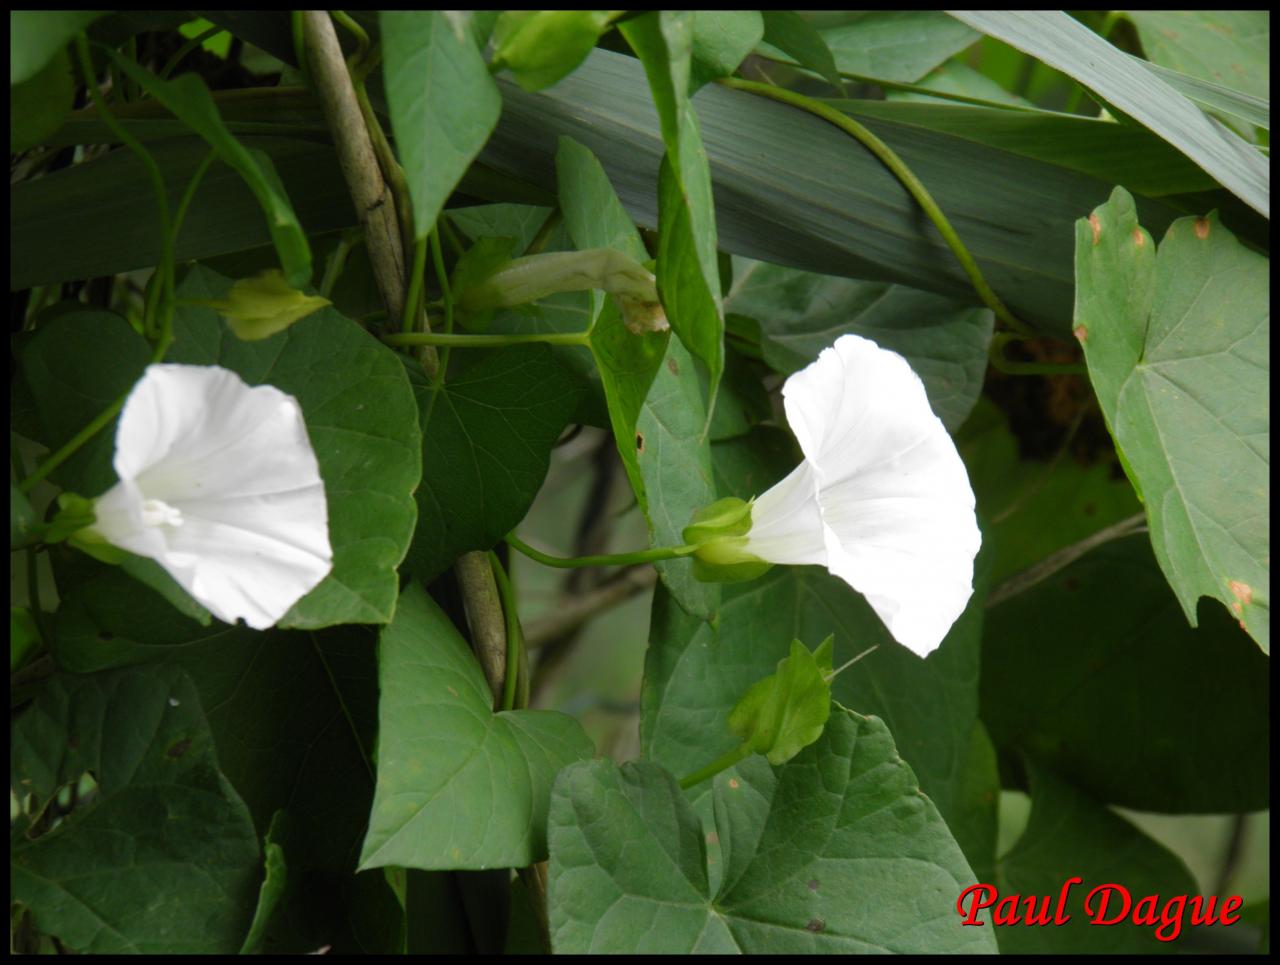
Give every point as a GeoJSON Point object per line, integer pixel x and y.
{"type": "Point", "coordinates": [354, 144]}
{"type": "Point", "coordinates": [903, 173]}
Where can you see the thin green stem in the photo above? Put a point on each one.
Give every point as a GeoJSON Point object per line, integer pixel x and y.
{"type": "Point", "coordinates": [904, 174]}
{"type": "Point", "coordinates": [33, 598]}
{"type": "Point", "coordinates": [132, 143]}
{"type": "Point", "coordinates": [1002, 364]}
{"type": "Point", "coordinates": [450, 234]}
{"type": "Point", "coordinates": [721, 763]}
{"type": "Point", "coordinates": [185, 202]}
{"type": "Point", "coordinates": [917, 89]}
{"type": "Point", "coordinates": [614, 559]}
{"type": "Point", "coordinates": [150, 302]}
{"type": "Point", "coordinates": [515, 635]}
{"type": "Point", "coordinates": [338, 260]}
{"type": "Point", "coordinates": [413, 301]}
{"type": "Point", "coordinates": [446, 298]}
{"type": "Point", "coordinates": [391, 169]}
{"type": "Point", "coordinates": [129, 90]}
{"type": "Point", "coordinates": [485, 341]}
{"type": "Point", "coordinates": [167, 299]}
{"type": "Point", "coordinates": [100, 421]}
{"type": "Point", "coordinates": [172, 63]}
{"type": "Point", "coordinates": [344, 20]}
{"type": "Point", "coordinates": [299, 46]}
{"type": "Point", "coordinates": [545, 231]}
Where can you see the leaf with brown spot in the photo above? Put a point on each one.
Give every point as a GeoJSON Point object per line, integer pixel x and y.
{"type": "Point", "coordinates": [1179, 353]}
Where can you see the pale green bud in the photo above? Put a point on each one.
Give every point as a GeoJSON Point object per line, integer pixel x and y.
{"type": "Point", "coordinates": [259, 307]}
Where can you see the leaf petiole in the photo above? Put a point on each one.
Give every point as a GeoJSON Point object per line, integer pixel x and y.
{"type": "Point", "coordinates": [722, 763]}
{"type": "Point", "coordinates": [615, 559]}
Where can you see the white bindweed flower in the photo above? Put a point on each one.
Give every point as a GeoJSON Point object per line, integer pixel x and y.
{"type": "Point", "coordinates": [220, 486]}
{"type": "Point", "coordinates": [881, 499]}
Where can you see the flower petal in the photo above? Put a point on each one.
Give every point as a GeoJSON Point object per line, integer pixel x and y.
{"type": "Point", "coordinates": [239, 515]}
{"type": "Point", "coordinates": [895, 500]}
{"type": "Point", "coordinates": [786, 525]}
{"type": "Point", "coordinates": [118, 514]}
{"type": "Point", "coordinates": [239, 571]}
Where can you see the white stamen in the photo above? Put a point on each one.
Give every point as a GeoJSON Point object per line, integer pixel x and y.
{"type": "Point", "coordinates": [156, 512]}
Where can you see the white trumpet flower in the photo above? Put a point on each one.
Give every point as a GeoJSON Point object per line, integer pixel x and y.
{"type": "Point", "coordinates": [220, 486]}
{"type": "Point", "coordinates": [881, 499]}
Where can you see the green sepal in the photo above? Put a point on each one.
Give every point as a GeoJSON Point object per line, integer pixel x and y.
{"type": "Point", "coordinates": [74, 514]}
{"type": "Point", "coordinates": [91, 544]}
{"type": "Point", "coordinates": [730, 516]}
{"type": "Point", "coordinates": [541, 47]}
{"type": "Point", "coordinates": [739, 572]}
{"type": "Point", "coordinates": [787, 711]}
{"type": "Point", "coordinates": [720, 533]}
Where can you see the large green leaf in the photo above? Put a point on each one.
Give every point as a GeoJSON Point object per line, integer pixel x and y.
{"type": "Point", "coordinates": [835, 851]}
{"type": "Point", "coordinates": [190, 101]}
{"type": "Point", "coordinates": [1014, 213]}
{"type": "Point", "coordinates": [798, 314]}
{"type": "Point", "coordinates": [38, 106]}
{"type": "Point", "coordinates": [163, 858]}
{"type": "Point", "coordinates": [1227, 47]}
{"type": "Point", "coordinates": [458, 786]}
{"type": "Point", "coordinates": [1070, 46]}
{"type": "Point", "coordinates": [721, 40]}
{"type": "Point", "coordinates": [1177, 343]}
{"type": "Point", "coordinates": [899, 45]}
{"type": "Point", "coordinates": [541, 46]}
{"type": "Point", "coordinates": [696, 671]}
{"type": "Point", "coordinates": [487, 438]}
{"type": "Point", "coordinates": [443, 104]}
{"type": "Point", "coordinates": [627, 361]}
{"type": "Point", "coordinates": [673, 451]}
{"type": "Point", "coordinates": [35, 36]}
{"type": "Point", "coordinates": [1072, 836]}
{"type": "Point", "coordinates": [688, 271]}
{"type": "Point", "coordinates": [293, 715]}
{"type": "Point", "coordinates": [792, 34]}
{"type": "Point", "coordinates": [1103, 696]}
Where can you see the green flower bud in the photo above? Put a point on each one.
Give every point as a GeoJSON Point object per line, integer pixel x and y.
{"type": "Point", "coordinates": [542, 46]}
{"type": "Point", "coordinates": [785, 712]}
{"type": "Point", "coordinates": [259, 307]}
